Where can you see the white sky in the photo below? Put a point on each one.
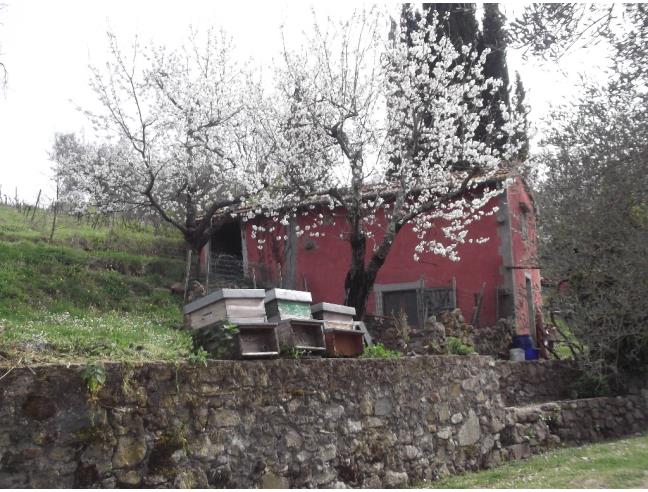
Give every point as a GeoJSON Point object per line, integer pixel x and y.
{"type": "Point", "coordinates": [47, 46]}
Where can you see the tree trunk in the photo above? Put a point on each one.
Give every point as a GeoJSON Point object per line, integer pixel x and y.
{"type": "Point", "coordinates": [361, 278]}
{"type": "Point", "coordinates": [187, 274]}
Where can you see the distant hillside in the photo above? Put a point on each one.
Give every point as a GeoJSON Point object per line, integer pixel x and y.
{"type": "Point", "coordinates": [94, 293]}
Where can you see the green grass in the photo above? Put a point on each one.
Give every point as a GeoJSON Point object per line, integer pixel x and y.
{"type": "Point", "coordinates": [16, 226]}
{"type": "Point", "coordinates": [56, 337]}
{"type": "Point", "coordinates": [99, 296]}
{"type": "Point", "coordinates": [615, 464]}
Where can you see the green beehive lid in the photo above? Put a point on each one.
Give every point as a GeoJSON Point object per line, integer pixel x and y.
{"type": "Point", "coordinates": [284, 304]}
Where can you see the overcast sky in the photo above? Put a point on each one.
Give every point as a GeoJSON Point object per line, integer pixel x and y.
{"type": "Point", "coordinates": [47, 45]}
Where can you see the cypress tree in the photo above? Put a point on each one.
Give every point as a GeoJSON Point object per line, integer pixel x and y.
{"type": "Point", "coordinates": [495, 37]}
{"type": "Point", "coordinates": [458, 22]}
{"type": "Point", "coordinates": [522, 110]}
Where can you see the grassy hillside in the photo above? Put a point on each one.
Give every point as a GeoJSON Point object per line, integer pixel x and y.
{"type": "Point", "coordinates": [94, 293]}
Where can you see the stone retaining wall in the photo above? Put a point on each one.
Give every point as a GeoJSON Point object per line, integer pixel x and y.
{"type": "Point", "coordinates": [538, 381]}
{"type": "Point", "coordinates": [536, 428]}
{"type": "Point", "coordinates": [276, 423]}
{"type": "Point", "coordinates": [281, 423]}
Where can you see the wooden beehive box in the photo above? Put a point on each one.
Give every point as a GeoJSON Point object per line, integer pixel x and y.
{"type": "Point", "coordinates": [282, 304]}
{"type": "Point", "coordinates": [302, 334]}
{"type": "Point", "coordinates": [234, 305]}
{"type": "Point", "coordinates": [344, 342]}
{"type": "Point", "coordinates": [258, 341]}
{"type": "Point", "coordinates": [334, 315]}
{"type": "Point", "coordinates": [242, 341]}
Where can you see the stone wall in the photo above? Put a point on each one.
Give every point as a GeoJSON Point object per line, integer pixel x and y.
{"type": "Point", "coordinates": [282, 423]}
{"type": "Point", "coordinates": [540, 381]}
{"type": "Point", "coordinates": [298, 423]}
{"type": "Point", "coordinates": [536, 428]}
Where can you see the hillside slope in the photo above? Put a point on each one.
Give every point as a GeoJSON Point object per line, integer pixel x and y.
{"type": "Point", "coordinates": [92, 294]}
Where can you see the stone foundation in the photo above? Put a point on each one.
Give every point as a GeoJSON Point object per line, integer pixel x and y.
{"type": "Point", "coordinates": [281, 423]}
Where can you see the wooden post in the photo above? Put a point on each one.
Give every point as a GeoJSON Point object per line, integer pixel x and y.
{"type": "Point", "coordinates": [36, 206]}
{"type": "Point", "coordinates": [55, 213]}
{"type": "Point", "coordinates": [454, 292]}
{"type": "Point", "coordinates": [480, 298]}
{"type": "Point", "coordinates": [207, 265]}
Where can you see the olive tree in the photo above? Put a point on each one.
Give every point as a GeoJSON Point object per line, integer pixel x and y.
{"type": "Point", "coordinates": [594, 229]}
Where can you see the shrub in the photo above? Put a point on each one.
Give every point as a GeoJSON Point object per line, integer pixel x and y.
{"type": "Point", "coordinates": [457, 347]}
{"type": "Point", "coordinates": [378, 351]}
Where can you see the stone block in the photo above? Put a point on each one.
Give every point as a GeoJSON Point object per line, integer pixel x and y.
{"type": "Point", "coordinates": [444, 433]}
{"type": "Point", "coordinates": [394, 479]}
{"type": "Point", "coordinates": [382, 407]}
{"type": "Point", "coordinates": [469, 432]}
{"type": "Point", "coordinates": [130, 452]}
{"type": "Point", "coordinates": [131, 478]}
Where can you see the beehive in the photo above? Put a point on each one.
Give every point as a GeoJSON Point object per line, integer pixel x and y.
{"type": "Point", "coordinates": [302, 334]}
{"type": "Point", "coordinates": [334, 315]}
{"type": "Point", "coordinates": [243, 341]}
{"type": "Point", "coordinates": [283, 304]}
{"type": "Point", "coordinates": [344, 342]}
{"type": "Point", "coordinates": [258, 341]}
{"type": "Point", "coordinates": [234, 305]}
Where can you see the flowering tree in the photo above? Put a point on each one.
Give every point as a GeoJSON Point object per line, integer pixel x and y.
{"type": "Point", "coordinates": [179, 135]}
{"type": "Point", "coordinates": [387, 125]}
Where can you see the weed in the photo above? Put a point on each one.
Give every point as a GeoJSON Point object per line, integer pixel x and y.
{"type": "Point", "coordinates": [378, 351]}
{"type": "Point", "coordinates": [94, 376]}
{"type": "Point", "coordinates": [292, 352]}
{"type": "Point", "coordinates": [457, 347]}
{"type": "Point", "coordinates": [198, 356]}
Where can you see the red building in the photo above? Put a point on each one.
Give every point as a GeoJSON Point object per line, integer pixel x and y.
{"type": "Point", "coordinates": [503, 272]}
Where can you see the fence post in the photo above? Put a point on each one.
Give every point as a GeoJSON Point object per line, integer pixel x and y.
{"type": "Point", "coordinates": [36, 206]}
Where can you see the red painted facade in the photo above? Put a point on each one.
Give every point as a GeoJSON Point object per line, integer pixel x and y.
{"type": "Point", "coordinates": [502, 265]}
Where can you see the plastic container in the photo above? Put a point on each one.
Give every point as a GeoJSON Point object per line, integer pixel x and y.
{"type": "Point", "coordinates": [531, 354]}
{"type": "Point", "coordinates": [516, 355]}
{"type": "Point", "coordinates": [522, 341]}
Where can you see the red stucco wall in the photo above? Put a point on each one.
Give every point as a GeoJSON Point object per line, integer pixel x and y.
{"type": "Point", "coordinates": [324, 261]}
{"type": "Point", "coordinates": [524, 252]}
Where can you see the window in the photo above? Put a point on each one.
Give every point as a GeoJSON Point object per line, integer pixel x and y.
{"type": "Point", "coordinates": [402, 300]}
{"type": "Point", "coordinates": [416, 301]}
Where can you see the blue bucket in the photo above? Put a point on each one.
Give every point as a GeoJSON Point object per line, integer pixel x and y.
{"type": "Point", "coordinates": [523, 342]}
{"type": "Point", "coordinates": [531, 354]}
